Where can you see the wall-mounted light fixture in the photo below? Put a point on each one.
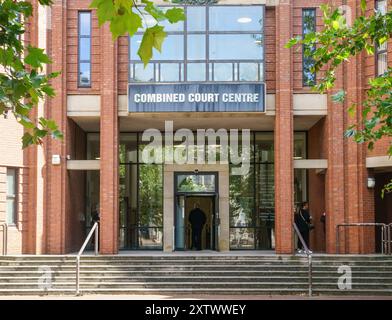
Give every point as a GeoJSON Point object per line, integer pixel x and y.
{"type": "Point", "coordinates": [371, 182]}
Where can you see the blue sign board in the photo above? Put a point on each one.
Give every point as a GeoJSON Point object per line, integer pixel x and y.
{"type": "Point", "coordinates": [196, 97]}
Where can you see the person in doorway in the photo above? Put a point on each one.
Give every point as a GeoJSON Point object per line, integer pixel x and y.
{"type": "Point", "coordinates": [197, 219]}
{"type": "Point", "coordinates": [303, 221]}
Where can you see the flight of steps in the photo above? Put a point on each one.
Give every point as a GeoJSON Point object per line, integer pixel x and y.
{"type": "Point", "coordinates": [193, 274]}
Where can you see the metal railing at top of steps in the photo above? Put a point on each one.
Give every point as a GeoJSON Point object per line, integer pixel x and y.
{"type": "Point", "coordinates": [95, 229]}
{"type": "Point", "coordinates": [385, 234]}
{"type": "Point", "coordinates": [309, 255]}
{"type": "Point", "coordinates": [4, 227]}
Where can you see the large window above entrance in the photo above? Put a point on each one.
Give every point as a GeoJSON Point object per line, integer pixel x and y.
{"type": "Point", "coordinates": [214, 43]}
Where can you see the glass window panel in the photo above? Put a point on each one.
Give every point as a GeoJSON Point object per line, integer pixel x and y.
{"type": "Point", "coordinates": [249, 71]}
{"type": "Point", "coordinates": [236, 18]}
{"type": "Point", "coordinates": [84, 23]}
{"type": "Point", "coordinates": [84, 74]}
{"type": "Point", "coordinates": [382, 64]}
{"type": "Point", "coordinates": [85, 47]}
{"type": "Point", "coordinates": [150, 238]}
{"type": "Point", "coordinates": [196, 18]}
{"type": "Point", "coordinates": [172, 48]}
{"type": "Point", "coordinates": [11, 177]}
{"type": "Point", "coordinates": [381, 6]}
{"type": "Point", "coordinates": [264, 147]}
{"type": "Point", "coordinates": [247, 46]}
{"type": "Point", "coordinates": [196, 47]}
{"type": "Point", "coordinates": [308, 20]}
{"type": "Point", "coordinates": [299, 186]}
{"type": "Point", "coordinates": [242, 238]}
{"type": "Point", "coordinates": [196, 183]}
{"type": "Point", "coordinates": [196, 72]}
{"type": "Point", "coordinates": [11, 217]}
{"type": "Point", "coordinates": [150, 195]}
{"type": "Point", "coordinates": [241, 190]}
{"type": "Point", "coordinates": [92, 197]}
{"type": "Point", "coordinates": [143, 74]}
{"type": "Point", "coordinates": [261, 71]}
{"type": "Point", "coordinates": [300, 145]}
{"type": "Point", "coordinates": [128, 148]}
{"type": "Point", "coordinates": [169, 72]}
{"type": "Point", "coordinates": [223, 72]}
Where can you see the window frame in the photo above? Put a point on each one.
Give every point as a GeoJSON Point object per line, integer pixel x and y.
{"type": "Point", "coordinates": [313, 9]}
{"type": "Point", "coordinates": [80, 12]}
{"type": "Point", "coordinates": [377, 50]}
{"type": "Point", "coordinates": [13, 197]}
{"type": "Point", "coordinates": [209, 64]}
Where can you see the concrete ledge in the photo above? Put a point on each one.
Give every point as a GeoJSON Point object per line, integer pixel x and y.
{"type": "Point", "coordinates": [83, 164]}
{"type": "Point", "coordinates": [311, 164]}
{"type": "Point", "coordinates": [379, 162]}
{"type": "Point", "coordinates": [83, 105]}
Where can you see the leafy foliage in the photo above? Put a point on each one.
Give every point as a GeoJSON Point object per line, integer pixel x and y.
{"type": "Point", "coordinates": [335, 44]}
{"type": "Point", "coordinates": [22, 80]}
{"type": "Point", "coordinates": [126, 16]}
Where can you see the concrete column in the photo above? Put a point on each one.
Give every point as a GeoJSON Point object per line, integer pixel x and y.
{"type": "Point", "coordinates": [109, 179]}
{"type": "Point", "coordinates": [284, 131]}
{"type": "Point", "coordinates": [56, 175]}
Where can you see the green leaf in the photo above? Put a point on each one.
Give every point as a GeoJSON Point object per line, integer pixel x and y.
{"type": "Point", "coordinates": [36, 57]}
{"type": "Point", "coordinates": [128, 22]}
{"type": "Point", "coordinates": [175, 15]}
{"type": "Point", "coordinates": [153, 38]}
{"type": "Point", "coordinates": [351, 111]}
{"type": "Point", "coordinates": [105, 10]}
{"type": "Point", "coordinates": [363, 5]}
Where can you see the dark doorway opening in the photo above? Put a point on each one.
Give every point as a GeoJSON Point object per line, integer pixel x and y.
{"type": "Point", "coordinates": [383, 206]}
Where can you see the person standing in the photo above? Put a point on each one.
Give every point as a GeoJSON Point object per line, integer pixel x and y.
{"type": "Point", "coordinates": [303, 221]}
{"type": "Point", "coordinates": [197, 219]}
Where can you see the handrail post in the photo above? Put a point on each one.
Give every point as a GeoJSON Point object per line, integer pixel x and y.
{"type": "Point", "coordinates": [309, 255]}
{"type": "Point", "coordinates": [93, 230]}
{"type": "Point", "coordinates": [77, 274]}
{"type": "Point", "coordinates": [310, 274]}
{"type": "Point", "coordinates": [96, 239]}
{"type": "Point", "coordinates": [4, 227]}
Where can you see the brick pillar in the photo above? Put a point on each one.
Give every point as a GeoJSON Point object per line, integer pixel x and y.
{"type": "Point", "coordinates": [284, 131]}
{"type": "Point", "coordinates": [109, 145]}
{"type": "Point", "coordinates": [56, 175]}
{"type": "Point", "coordinates": [358, 240]}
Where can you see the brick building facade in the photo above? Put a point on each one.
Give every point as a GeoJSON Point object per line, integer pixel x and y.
{"type": "Point", "coordinates": [300, 130]}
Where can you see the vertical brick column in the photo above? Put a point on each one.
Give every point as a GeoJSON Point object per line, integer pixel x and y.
{"type": "Point", "coordinates": [284, 131]}
{"type": "Point", "coordinates": [56, 175]}
{"type": "Point", "coordinates": [109, 145]}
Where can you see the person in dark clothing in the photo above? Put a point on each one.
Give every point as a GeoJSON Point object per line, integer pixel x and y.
{"type": "Point", "coordinates": [303, 221]}
{"type": "Point", "coordinates": [197, 219]}
{"type": "Point", "coordinates": [95, 217]}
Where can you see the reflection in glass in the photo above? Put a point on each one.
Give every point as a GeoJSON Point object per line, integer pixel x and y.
{"type": "Point", "coordinates": [196, 183]}
{"type": "Point", "coordinates": [249, 71]}
{"type": "Point", "coordinates": [150, 195]}
{"type": "Point", "coordinates": [84, 23]}
{"type": "Point", "coordinates": [84, 74]}
{"type": "Point", "coordinates": [299, 145]}
{"type": "Point", "coordinates": [236, 18]}
{"type": "Point", "coordinates": [242, 238]}
{"type": "Point", "coordinates": [172, 48]}
{"type": "Point", "coordinates": [169, 72]}
{"type": "Point", "coordinates": [196, 47]}
{"type": "Point", "coordinates": [223, 72]}
{"type": "Point", "coordinates": [143, 74]}
{"type": "Point", "coordinates": [241, 190]}
{"type": "Point", "coordinates": [245, 46]}
{"type": "Point", "coordinates": [85, 45]}
{"type": "Point", "coordinates": [196, 18]}
{"type": "Point", "coordinates": [196, 71]}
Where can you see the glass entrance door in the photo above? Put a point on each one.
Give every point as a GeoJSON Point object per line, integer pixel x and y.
{"type": "Point", "coordinates": [196, 211]}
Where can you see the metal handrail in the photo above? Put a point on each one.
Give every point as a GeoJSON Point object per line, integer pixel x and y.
{"type": "Point", "coordinates": [384, 234]}
{"type": "Point", "coordinates": [310, 260]}
{"type": "Point", "coordinates": [96, 229]}
{"type": "Point", "coordinates": [389, 235]}
{"type": "Point", "coordinates": [4, 227]}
